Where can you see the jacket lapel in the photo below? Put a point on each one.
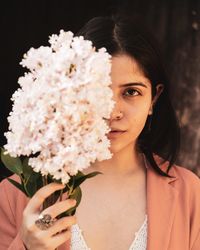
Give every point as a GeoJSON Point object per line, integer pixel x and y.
{"type": "Point", "coordinates": [161, 207]}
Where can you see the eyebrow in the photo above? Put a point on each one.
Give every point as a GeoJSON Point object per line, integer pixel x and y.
{"type": "Point", "coordinates": [133, 84]}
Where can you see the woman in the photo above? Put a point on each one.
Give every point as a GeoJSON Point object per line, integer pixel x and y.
{"type": "Point", "coordinates": [142, 200]}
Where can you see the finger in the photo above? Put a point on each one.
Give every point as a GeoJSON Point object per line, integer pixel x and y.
{"type": "Point", "coordinates": [61, 224]}
{"type": "Point", "coordinates": [61, 238]}
{"type": "Point", "coordinates": [59, 207]}
{"type": "Point", "coordinates": [39, 197]}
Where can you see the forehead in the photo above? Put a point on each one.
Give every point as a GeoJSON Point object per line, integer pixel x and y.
{"type": "Point", "coordinates": [126, 70]}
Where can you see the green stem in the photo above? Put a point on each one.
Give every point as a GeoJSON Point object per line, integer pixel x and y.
{"type": "Point", "coordinates": [61, 194]}
{"type": "Point", "coordinates": [46, 202]}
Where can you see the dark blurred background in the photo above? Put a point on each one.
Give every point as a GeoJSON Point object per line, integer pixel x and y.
{"type": "Point", "coordinates": [175, 23]}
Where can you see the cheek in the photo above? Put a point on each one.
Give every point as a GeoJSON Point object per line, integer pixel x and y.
{"type": "Point", "coordinates": [138, 117]}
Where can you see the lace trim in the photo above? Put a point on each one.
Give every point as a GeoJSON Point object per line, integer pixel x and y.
{"type": "Point", "coordinates": [139, 243]}
{"type": "Point", "coordinates": [77, 239]}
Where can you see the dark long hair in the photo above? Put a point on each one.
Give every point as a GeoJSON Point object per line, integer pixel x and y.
{"type": "Point", "coordinates": [120, 34]}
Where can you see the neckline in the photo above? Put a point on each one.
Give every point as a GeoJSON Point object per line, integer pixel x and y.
{"type": "Point", "coordinates": [77, 227]}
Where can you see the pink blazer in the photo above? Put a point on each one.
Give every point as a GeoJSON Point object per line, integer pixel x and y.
{"type": "Point", "coordinates": [173, 209]}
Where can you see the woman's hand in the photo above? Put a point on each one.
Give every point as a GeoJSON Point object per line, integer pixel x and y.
{"type": "Point", "coordinates": [37, 239]}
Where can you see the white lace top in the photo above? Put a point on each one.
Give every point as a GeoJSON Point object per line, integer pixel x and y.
{"type": "Point", "coordinates": [139, 242]}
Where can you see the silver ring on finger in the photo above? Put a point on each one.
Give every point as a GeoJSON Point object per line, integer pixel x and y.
{"type": "Point", "coordinates": [45, 221]}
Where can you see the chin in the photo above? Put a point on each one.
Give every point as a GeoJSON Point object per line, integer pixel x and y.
{"type": "Point", "coordinates": [126, 143]}
{"type": "Point", "coordinates": [117, 147]}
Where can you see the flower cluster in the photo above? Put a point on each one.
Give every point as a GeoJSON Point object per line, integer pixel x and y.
{"type": "Point", "coordinates": [59, 111]}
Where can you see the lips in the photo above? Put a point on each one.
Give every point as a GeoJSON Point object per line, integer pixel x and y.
{"type": "Point", "coordinates": [115, 133]}
{"type": "Point", "coordinates": [113, 130]}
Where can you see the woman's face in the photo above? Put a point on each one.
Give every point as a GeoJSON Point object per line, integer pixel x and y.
{"type": "Point", "coordinates": [134, 102]}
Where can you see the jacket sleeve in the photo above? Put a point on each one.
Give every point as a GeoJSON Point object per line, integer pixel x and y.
{"type": "Point", "coordinates": [194, 204]}
{"type": "Point", "coordinates": [196, 214]}
{"type": "Point", "coordinates": [196, 244]}
{"type": "Point", "coordinates": [10, 238]}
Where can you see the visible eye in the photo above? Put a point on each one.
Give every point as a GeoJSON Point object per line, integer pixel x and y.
{"type": "Point", "coordinates": [131, 92]}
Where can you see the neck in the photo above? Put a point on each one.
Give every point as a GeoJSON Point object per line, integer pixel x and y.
{"type": "Point", "coordinates": [125, 163]}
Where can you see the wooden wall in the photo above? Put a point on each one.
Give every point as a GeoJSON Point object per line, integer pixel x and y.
{"type": "Point", "coordinates": [177, 26]}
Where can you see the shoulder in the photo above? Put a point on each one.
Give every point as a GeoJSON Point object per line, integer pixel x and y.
{"type": "Point", "coordinates": [188, 185]}
{"type": "Point", "coordinates": [5, 184]}
{"type": "Point", "coordinates": [186, 177]}
{"type": "Point", "coordinates": [12, 204]}
{"type": "Point", "coordinates": [12, 195]}
{"type": "Point", "coordinates": [183, 174]}
{"type": "Point", "coordinates": [184, 180]}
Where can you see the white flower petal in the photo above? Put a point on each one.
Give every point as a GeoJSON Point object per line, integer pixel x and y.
{"type": "Point", "coordinates": [55, 111]}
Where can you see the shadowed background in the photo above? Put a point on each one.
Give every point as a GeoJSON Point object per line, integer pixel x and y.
{"type": "Point", "coordinates": [175, 23]}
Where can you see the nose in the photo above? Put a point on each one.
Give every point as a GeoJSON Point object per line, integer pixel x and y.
{"type": "Point", "coordinates": [117, 113]}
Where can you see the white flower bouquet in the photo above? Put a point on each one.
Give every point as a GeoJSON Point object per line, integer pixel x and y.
{"type": "Point", "coordinates": [57, 124]}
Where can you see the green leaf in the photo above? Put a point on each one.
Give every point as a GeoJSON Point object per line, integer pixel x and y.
{"type": "Point", "coordinates": [17, 185]}
{"type": "Point", "coordinates": [93, 174]}
{"type": "Point", "coordinates": [14, 164]}
{"type": "Point", "coordinates": [77, 195]}
{"type": "Point", "coordinates": [32, 180]}
{"type": "Point", "coordinates": [30, 184]}
{"type": "Point", "coordinates": [27, 169]}
{"type": "Point", "coordinates": [81, 179]}
{"type": "Point", "coordinates": [79, 174]}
